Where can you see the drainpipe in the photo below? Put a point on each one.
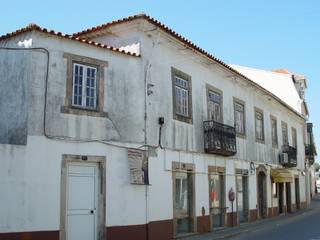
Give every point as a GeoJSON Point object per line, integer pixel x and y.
{"type": "Point", "coordinates": [146, 94]}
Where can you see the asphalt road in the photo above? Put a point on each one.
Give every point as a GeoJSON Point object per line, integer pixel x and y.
{"type": "Point", "coordinates": [303, 227]}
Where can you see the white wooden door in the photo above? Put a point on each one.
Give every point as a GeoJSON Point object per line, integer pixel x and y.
{"type": "Point", "coordinates": [82, 190]}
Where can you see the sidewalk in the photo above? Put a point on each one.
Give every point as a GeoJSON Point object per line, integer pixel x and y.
{"type": "Point", "coordinates": [258, 225]}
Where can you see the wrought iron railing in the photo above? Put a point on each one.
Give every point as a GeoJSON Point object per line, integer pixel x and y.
{"type": "Point", "coordinates": [310, 152]}
{"type": "Point", "coordinates": [219, 138]}
{"type": "Point", "coordinates": [288, 157]}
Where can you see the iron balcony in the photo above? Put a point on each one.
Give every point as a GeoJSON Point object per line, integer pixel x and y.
{"type": "Point", "coordinates": [309, 152]}
{"type": "Point", "coordinates": [219, 138]}
{"type": "Point", "coordinates": [288, 157]}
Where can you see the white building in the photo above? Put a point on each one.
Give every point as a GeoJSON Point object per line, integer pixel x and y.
{"type": "Point", "coordinates": [130, 131]}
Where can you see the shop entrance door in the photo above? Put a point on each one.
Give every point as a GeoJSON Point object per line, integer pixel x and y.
{"type": "Point", "coordinates": [242, 198]}
{"type": "Point", "coordinates": [216, 192]}
{"type": "Point", "coordinates": [184, 218]}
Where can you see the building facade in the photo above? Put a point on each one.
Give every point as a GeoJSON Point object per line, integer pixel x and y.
{"type": "Point", "coordinates": [130, 131]}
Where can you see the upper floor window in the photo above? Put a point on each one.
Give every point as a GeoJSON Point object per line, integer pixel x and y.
{"type": "Point", "coordinates": [294, 137]}
{"type": "Point", "coordinates": [259, 125]}
{"type": "Point", "coordinates": [284, 128]}
{"type": "Point", "coordinates": [274, 131]}
{"type": "Point", "coordinates": [182, 100]}
{"type": "Point", "coordinates": [239, 117]}
{"type": "Point", "coordinates": [84, 86]}
{"type": "Point", "coordinates": [214, 105]}
{"type": "Point", "coordinates": [182, 96]}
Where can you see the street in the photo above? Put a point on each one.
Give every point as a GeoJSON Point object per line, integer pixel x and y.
{"type": "Point", "coordinates": [302, 227]}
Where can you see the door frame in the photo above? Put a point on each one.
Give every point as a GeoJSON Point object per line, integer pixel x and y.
{"type": "Point", "coordinates": [189, 169]}
{"type": "Point", "coordinates": [288, 197]}
{"type": "Point", "coordinates": [262, 169]}
{"type": "Point", "coordinates": [101, 208]}
{"type": "Point", "coordinates": [243, 173]}
{"type": "Point", "coordinates": [221, 172]}
{"type": "Point", "coordinates": [297, 191]}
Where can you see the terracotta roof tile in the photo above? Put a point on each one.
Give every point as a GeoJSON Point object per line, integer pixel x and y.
{"type": "Point", "coordinates": [282, 70]}
{"type": "Point", "coordinates": [34, 27]}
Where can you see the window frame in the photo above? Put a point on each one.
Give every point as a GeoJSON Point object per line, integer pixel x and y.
{"type": "Point", "coordinates": [210, 88]}
{"type": "Point", "coordinates": [175, 73]}
{"type": "Point", "coordinates": [287, 132]}
{"type": "Point", "coordinates": [258, 110]}
{"type": "Point", "coordinates": [100, 65]}
{"type": "Point", "coordinates": [84, 86]}
{"type": "Point", "coordinates": [240, 102]}
{"type": "Point", "coordinates": [276, 143]}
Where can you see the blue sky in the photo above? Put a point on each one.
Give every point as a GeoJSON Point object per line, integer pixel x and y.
{"type": "Point", "coordinates": [267, 34]}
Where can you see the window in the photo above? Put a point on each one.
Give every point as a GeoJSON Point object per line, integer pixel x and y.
{"type": "Point", "coordinates": [181, 96]}
{"type": "Point", "coordinates": [84, 86]}
{"type": "Point", "coordinates": [259, 125]}
{"type": "Point", "coordinates": [294, 137]}
{"type": "Point", "coordinates": [284, 128]}
{"type": "Point", "coordinates": [239, 117]}
{"type": "Point", "coordinates": [214, 105]}
{"type": "Point", "coordinates": [274, 131]}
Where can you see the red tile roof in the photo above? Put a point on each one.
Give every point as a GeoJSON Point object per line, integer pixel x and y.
{"type": "Point", "coordinates": [186, 42]}
{"type": "Point", "coordinates": [34, 27]}
{"type": "Point", "coordinates": [282, 70]}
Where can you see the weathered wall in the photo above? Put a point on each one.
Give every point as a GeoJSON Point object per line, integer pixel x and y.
{"type": "Point", "coordinates": [14, 69]}
{"type": "Point", "coordinates": [122, 84]}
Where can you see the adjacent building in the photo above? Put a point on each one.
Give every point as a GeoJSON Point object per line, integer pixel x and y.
{"type": "Point", "coordinates": [130, 131]}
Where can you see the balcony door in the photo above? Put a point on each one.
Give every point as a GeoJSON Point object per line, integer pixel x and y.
{"type": "Point", "coordinates": [214, 98]}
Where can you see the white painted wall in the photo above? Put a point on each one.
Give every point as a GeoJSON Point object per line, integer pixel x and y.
{"type": "Point", "coordinates": [30, 175]}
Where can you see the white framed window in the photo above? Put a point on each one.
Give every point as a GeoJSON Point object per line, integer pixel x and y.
{"type": "Point", "coordinates": [215, 106]}
{"type": "Point", "coordinates": [259, 125]}
{"type": "Point", "coordinates": [84, 91]}
{"type": "Point", "coordinates": [239, 117]}
{"type": "Point", "coordinates": [182, 96]}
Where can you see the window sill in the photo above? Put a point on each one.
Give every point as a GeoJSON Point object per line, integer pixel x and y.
{"type": "Point", "coordinates": [182, 118]}
{"type": "Point", "coordinates": [260, 141]}
{"type": "Point", "coordinates": [83, 111]}
{"type": "Point", "coordinates": [241, 135]}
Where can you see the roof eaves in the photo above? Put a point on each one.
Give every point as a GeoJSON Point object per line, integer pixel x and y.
{"type": "Point", "coordinates": [34, 27]}
{"type": "Point", "coordinates": [187, 43]}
